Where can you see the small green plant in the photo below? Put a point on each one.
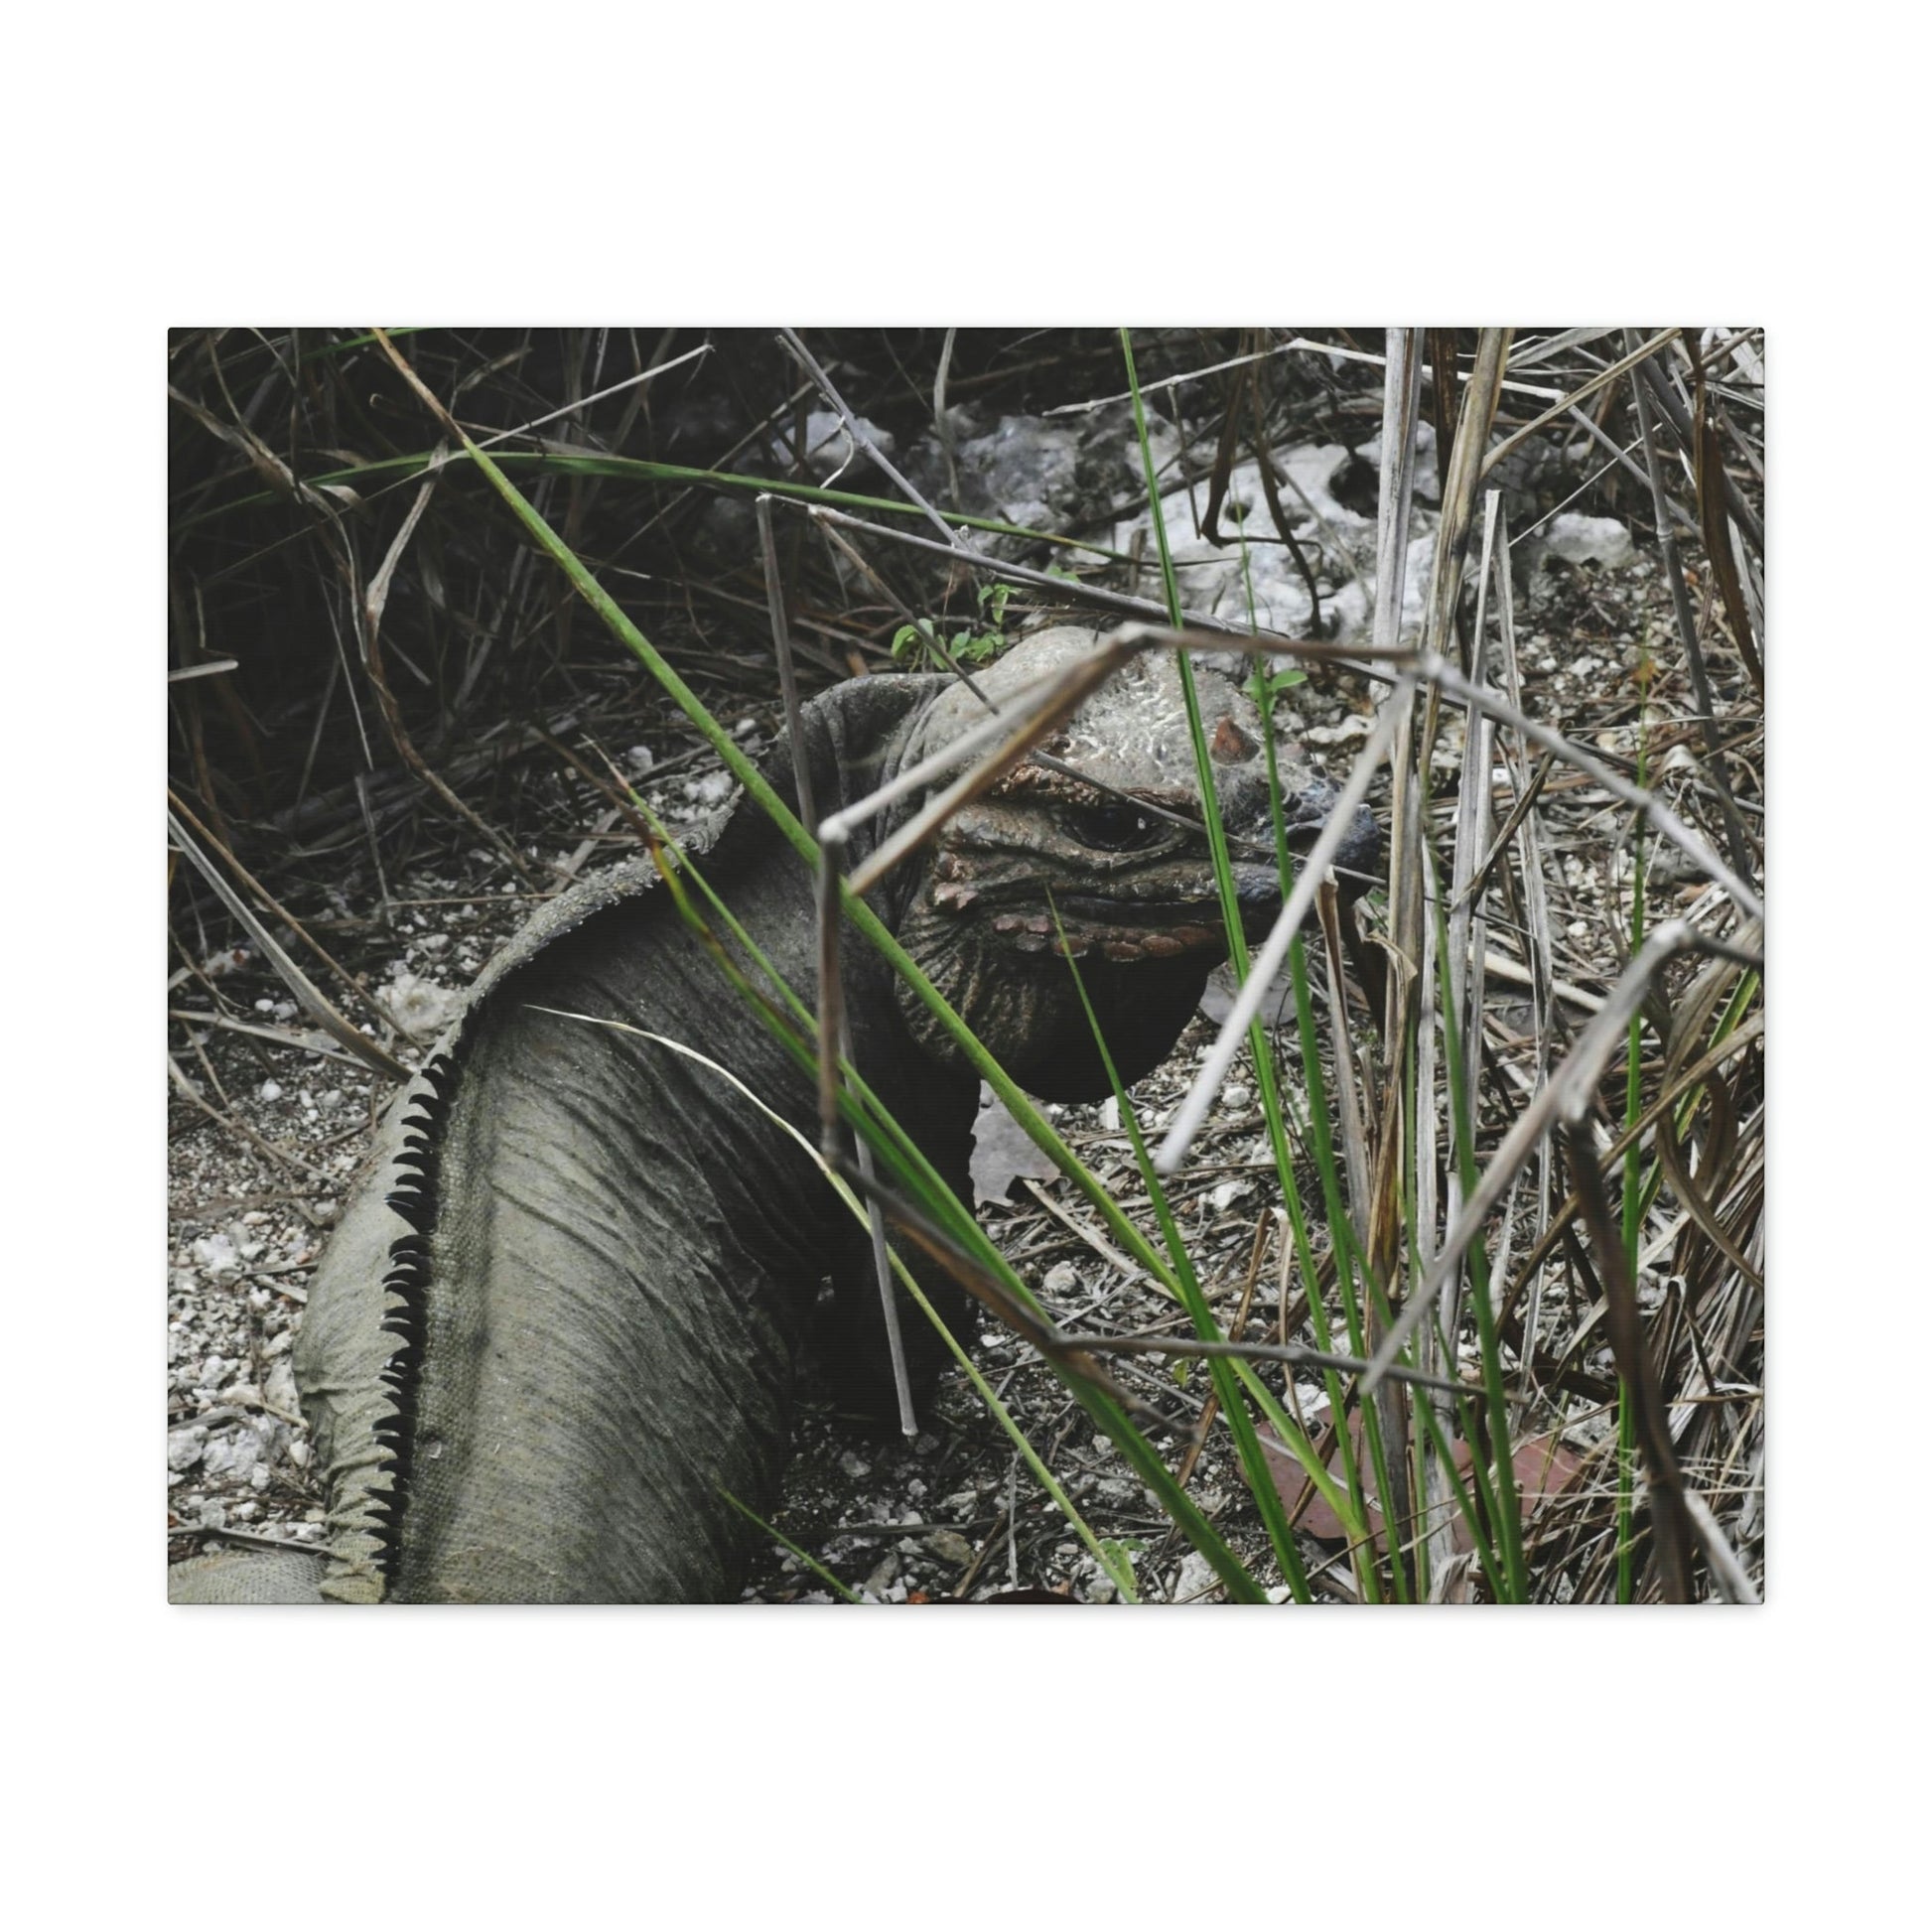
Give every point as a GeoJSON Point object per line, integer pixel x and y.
{"type": "Point", "coordinates": [918, 646]}
{"type": "Point", "coordinates": [1270, 685]}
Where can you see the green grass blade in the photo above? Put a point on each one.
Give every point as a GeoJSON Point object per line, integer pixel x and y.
{"type": "Point", "coordinates": [1254, 1463]}
{"type": "Point", "coordinates": [805, 1557]}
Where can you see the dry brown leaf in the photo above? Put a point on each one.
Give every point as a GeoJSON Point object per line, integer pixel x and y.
{"type": "Point", "coordinates": [1545, 1469]}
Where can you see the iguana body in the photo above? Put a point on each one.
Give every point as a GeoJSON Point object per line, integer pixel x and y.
{"type": "Point", "coordinates": [562, 1310]}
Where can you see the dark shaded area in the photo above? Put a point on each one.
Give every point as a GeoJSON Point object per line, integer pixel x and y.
{"type": "Point", "coordinates": [363, 654]}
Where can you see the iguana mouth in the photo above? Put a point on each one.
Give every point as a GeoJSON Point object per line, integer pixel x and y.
{"type": "Point", "coordinates": [1161, 913]}
{"type": "Point", "coordinates": [1116, 930]}
{"type": "Point", "coordinates": [1132, 914]}
{"type": "Point", "coordinates": [1119, 926]}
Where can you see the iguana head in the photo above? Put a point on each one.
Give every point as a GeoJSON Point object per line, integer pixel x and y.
{"type": "Point", "coordinates": [1108, 837]}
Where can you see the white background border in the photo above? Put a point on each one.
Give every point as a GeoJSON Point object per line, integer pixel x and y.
{"type": "Point", "coordinates": [870, 164]}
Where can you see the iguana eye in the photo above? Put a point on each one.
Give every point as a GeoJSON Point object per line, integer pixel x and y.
{"type": "Point", "coordinates": [1114, 827]}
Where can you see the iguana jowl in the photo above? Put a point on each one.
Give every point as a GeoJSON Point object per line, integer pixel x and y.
{"type": "Point", "coordinates": [561, 1313]}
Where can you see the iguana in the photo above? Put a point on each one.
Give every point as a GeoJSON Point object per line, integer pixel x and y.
{"type": "Point", "coordinates": [561, 1313]}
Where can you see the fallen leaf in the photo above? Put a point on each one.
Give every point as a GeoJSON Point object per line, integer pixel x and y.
{"type": "Point", "coordinates": [1003, 1152]}
{"type": "Point", "coordinates": [1545, 1469]}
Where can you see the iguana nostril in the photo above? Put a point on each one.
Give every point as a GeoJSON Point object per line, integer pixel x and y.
{"type": "Point", "coordinates": [1361, 846]}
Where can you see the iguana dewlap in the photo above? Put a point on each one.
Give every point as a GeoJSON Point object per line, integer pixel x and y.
{"type": "Point", "coordinates": [561, 1313]}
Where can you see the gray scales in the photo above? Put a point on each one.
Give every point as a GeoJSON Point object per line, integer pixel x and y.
{"type": "Point", "coordinates": [563, 1311]}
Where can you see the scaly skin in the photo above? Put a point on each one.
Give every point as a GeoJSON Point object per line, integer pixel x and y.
{"type": "Point", "coordinates": [562, 1312]}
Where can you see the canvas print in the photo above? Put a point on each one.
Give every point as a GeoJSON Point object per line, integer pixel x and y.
{"type": "Point", "coordinates": [1077, 965]}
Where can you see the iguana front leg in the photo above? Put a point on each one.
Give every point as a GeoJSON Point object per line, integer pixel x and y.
{"type": "Point", "coordinates": [853, 1350]}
